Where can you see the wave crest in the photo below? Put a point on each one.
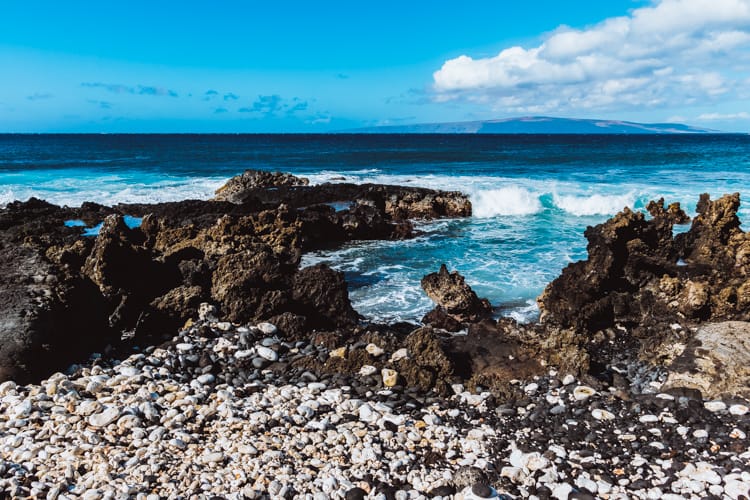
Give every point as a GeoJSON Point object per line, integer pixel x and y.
{"type": "Point", "coordinates": [511, 200]}
{"type": "Point", "coordinates": [596, 204]}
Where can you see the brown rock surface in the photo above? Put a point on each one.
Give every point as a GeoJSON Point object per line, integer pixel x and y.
{"type": "Point", "coordinates": [65, 295]}
{"type": "Point", "coordinates": [453, 296]}
{"type": "Point", "coordinates": [645, 288]}
{"type": "Point", "coordinates": [233, 190]}
{"type": "Point", "coordinates": [715, 361]}
{"type": "Point", "coordinates": [427, 365]}
{"type": "Point", "coordinates": [320, 294]}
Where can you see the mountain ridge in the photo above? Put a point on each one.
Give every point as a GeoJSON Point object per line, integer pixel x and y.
{"type": "Point", "coordinates": [537, 125]}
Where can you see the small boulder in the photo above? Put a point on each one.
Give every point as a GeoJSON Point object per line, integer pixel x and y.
{"type": "Point", "coordinates": [321, 295]}
{"type": "Point", "coordinates": [451, 294]}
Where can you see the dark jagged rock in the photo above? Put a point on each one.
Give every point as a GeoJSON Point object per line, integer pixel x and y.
{"type": "Point", "coordinates": [397, 202]}
{"type": "Point", "coordinates": [320, 294]}
{"type": "Point", "coordinates": [323, 226]}
{"type": "Point", "coordinates": [454, 298]}
{"type": "Point", "coordinates": [428, 365]}
{"type": "Point", "coordinates": [438, 318]}
{"type": "Point", "coordinates": [715, 238]}
{"type": "Point", "coordinates": [291, 326]}
{"type": "Point", "coordinates": [39, 304]}
{"type": "Point", "coordinates": [65, 295]}
{"type": "Point", "coordinates": [642, 290]}
{"type": "Point", "coordinates": [625, 254]}
{"type": "Point", "coordinates": [427, 205]}
{"type": "Point", "coordinates": [253, 179]}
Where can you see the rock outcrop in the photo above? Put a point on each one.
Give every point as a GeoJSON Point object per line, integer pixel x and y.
{"type": "Point", "coordinates": [456, 302]}
{"type": "Point", "coordinates": [641, 290]}
{"type": "Point", "coordinates": [395, 202]}
{"type": "Point", "coordinates": [233, 190]}
{"type": "Point", "coordinates": [65, 296]}
{"type": "Point", "coordinates": [47, 317]}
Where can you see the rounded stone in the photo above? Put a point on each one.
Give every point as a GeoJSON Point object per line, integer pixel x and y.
{"type": "Point", "coordinates": [482, 490]}
{"type": "Point", "coordinates": [374, 350]}
{"type": "Point", "coordinates": [738, 409]}
{"type": "Point", "coordinates": [715, 406]}
{"type": "Point", "coordinates": [267, 328]}
{"type": "Point", "coordinates": [355, 493]}
{"type": "Point", "coordinates": [600, 414]}
{"type": "Point", "coordinates": [583, 392]}
{"type": "Point", "coordinates": [390, 377]}
{"type": "Point", "coordinates": [184, 347]}
{"type": "Point", "coordinates": [339, 352]}
{"type": "Point", "coordinates": [400, 354]}
{"type": "Point", "coordinates": [104, 418]}
{"type": "Point", "coordinates": [267, 353]}
{"type": "Point", "coordinates": [367, 370]}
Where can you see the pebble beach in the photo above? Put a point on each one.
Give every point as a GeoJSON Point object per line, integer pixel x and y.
{"type": "Point", "coordinates": [206, 416]}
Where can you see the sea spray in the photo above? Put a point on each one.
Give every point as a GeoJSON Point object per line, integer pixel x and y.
{"type": "Point", "coordinates": [511, 200]}
{"type": "Point", "coordinates": [595, 204]}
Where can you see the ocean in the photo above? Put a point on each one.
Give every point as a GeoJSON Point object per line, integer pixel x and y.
{"type": "Point", "coordinates": [533, 195]}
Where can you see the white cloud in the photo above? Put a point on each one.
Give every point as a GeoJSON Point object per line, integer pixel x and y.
{"type": "Point", "coordinates": [671, 53]}
{"type": "Point", "coordinates": [710, 117]}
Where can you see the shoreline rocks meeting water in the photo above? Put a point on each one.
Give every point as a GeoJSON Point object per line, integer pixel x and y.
{"type": "Point", "coordinates": [276, 386]}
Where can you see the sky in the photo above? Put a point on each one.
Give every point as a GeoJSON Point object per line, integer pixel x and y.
{"type": "Point", "coordinates": [250, 66]}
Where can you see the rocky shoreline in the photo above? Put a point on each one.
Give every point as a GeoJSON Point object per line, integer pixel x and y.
{"type": "Point", "coordinates": [631, 384]}
{"type": "Point", "coordinates": [218, 412]}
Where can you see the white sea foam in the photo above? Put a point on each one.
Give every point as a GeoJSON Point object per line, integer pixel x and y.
{"type": "Point", "coordinates": [595, 204]}
{"type": "Point", "coordinates": [112, 191]}
{"type": "Point", "coordinates": [511, 200]}
{"type": "Point", "coordinates": [526, 313]}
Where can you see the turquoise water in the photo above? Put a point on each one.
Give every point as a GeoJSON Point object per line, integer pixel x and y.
{"type": "Point", "coordinates": [533, 195]}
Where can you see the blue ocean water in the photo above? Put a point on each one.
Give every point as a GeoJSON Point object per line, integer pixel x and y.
{"type": "Point", "coordinates": [533, 195]}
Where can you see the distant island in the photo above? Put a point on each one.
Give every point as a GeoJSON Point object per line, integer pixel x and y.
{"type": "Point", "coordinates": [537, 125]}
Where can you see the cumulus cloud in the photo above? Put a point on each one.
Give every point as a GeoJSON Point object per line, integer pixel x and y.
{"type": "Point", "coordinates": [118, 88]}
{"type": "Point", "coordinates": [672, 52]}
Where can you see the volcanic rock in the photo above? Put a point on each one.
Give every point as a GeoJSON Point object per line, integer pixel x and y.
{"type": "Point", "coordinates": [252, 179]}
{"type": "Point", "coordinates": [453, 296]}
{"type": "Point", "coordinates": [39, 304]}
{"type": "Point", "coordinates": [320, 294]}
{"type": "Point", "coordinates": [640, 290]}
{"type": "Point", "coordinates": [427, 205]}
{"type": "Point", "coordinates": [493, 354]}
{"type": "Point", "coordinates": [715, 361]}
{"type": "Point", "coordinates": [438, 318]}
{"type": "Point", "coordinates": [66, 295]}
{"type": "Point", "coordinates": [427, 366]}
{"type": "Point", "coordinates": [396, 202]}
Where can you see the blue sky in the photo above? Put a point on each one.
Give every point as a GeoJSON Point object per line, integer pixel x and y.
{"type": "Point", "coordinates": [322, 66]}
